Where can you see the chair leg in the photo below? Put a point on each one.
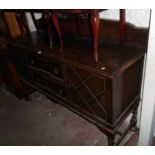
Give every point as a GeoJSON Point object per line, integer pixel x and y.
{"type": "Point", "coordinates": [23, 24]}
{"type": "Point", "coordinates": [19, 20]}
{"type": "Point", "coordinates": [122, 26]}
{"type": "Point", "coordinates": [57, 26]}
{"type": "Point", "coordinates": [95, 21]}
{"type": "Point", "coordinates": [47, 20]}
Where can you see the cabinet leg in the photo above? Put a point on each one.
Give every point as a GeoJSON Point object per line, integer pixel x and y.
{"type": "Point", "coordinates": [133, 121]}
{"type": "Point", "coordinates": [111, 140]}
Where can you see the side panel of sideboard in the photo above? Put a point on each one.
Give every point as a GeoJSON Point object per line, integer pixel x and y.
{"type": "Point", "coordinates": [126, 90]}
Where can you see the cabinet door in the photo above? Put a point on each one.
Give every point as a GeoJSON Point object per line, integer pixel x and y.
{"type": "Point", "coordinates": [87, 92]}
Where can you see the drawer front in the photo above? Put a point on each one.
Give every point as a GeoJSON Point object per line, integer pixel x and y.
{"type": "Point", "coordinates": [87, 91]}
{"type": "Point", "coordinates": [50, 87]}
{"type": "Point", "coordinates": [44, 65]}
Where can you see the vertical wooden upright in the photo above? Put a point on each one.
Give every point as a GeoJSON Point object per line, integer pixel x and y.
{"type": "Point", "coordinates": [122, 26]}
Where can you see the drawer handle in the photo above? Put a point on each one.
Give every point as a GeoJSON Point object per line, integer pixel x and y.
{"type": "Point", "coordinates": [39, 52]}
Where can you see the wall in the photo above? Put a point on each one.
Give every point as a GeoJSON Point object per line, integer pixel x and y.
{"type": "Point", "coordinates": [147, 124]}
{"type": "Point", "coordinates": [138, 17]}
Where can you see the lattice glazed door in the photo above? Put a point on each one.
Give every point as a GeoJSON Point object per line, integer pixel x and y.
{"type": "Point", "coordinates": [88, 91]}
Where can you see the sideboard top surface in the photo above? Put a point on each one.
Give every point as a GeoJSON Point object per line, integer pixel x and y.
{"type": "Point", "coordinates": [114, 58]}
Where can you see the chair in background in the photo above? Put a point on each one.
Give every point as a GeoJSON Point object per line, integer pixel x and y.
{"type": "Point", "coordinates": [48, 15]}
{"type": "Point", "coordinates": [93, 15]}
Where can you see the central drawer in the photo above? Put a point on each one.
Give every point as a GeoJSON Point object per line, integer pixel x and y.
{"type": "Point", "coordinates": [46, 66]}
{"type": "Point", "coordinates": [50, 86]}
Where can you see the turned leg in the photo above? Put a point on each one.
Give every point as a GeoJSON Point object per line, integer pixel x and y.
{"type": "Point", "coordinates": [23, 24]}
{"type": "Point", "coordinates": [19, 20]}
{"type": "Point", "coordinates": [57, 26]}
{"type": "Point", "coordinates": [133, 121]}
{"type": "Point", "coordinates": [95, 21]}
{"type": "Point", "coordinates": [122, 26]}
{"type": "Point", "coordinates": [47, 21]}
{"type": "Point", "coordinates": [111, 140]}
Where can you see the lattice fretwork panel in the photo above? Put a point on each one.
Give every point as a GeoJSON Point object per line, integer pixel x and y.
{"type": "Point", "coordinates": [87, 91]}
